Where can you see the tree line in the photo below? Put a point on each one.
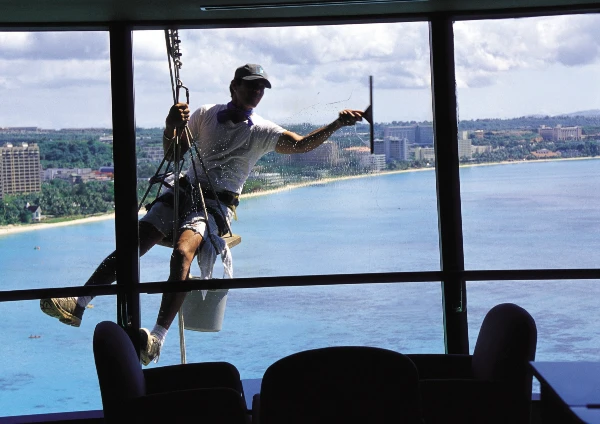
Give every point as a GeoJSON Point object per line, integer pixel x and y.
{"type": "Point", "coordinates": [75, 154]}
{"type": "Point", "coordinates": [59, 198]}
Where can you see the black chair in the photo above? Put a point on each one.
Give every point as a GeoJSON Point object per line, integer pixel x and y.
{"type": "Point", "coordinates": [210, 392]}
{"type": "Point", "coordinates": [339, 385]}
{"type": "Point", "coordinates": [491, 386]}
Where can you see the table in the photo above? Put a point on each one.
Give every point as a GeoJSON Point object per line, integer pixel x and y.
{"type": "Point", "coordinates": [251, 387]}
{"type": "Point", "coordinates": [570, 391]}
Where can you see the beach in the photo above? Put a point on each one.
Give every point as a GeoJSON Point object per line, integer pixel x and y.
{"type": "Point", "coordinates": [12, 229]}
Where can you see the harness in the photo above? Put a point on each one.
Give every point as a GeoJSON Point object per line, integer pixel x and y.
{"type": "Point", "coordinates": [185, 192]}
{"type": "Point", "coordinates": [187, 195]}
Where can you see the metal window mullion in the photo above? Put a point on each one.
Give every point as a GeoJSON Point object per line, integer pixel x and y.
{"type": "Point", "coordinates": [126, 208]}
{"type": "Point", "coordinates": [445, 121]}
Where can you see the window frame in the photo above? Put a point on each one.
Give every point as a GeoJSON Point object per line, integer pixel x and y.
{"type": "Point", "coordinates": [452, 274]}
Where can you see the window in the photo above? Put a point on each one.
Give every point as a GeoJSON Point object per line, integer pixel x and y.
{"type": "Point", "coordinates": [538, 213]}
{"type": "Point", "coordinates": [56, 141]}
{"type": "Point", "coordinates": [310, 213]}
{"type": "Point", "coordinates": [263, 325]}
{"type": "Point", "coordinates": [528, 102]}
{"type": "Point", "coordinates": [530, 173]}
{"type": "Point", "coordinates": [322, 222]}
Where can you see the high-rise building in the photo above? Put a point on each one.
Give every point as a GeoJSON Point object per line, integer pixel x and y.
{"type": "Point", "coordinates": [378, 147]}
{"type": "Point", "coordinates": [400, 132]}
{"type": "Point", "coordinates": [560, 133]}
{"type": "Point", "coordinates": [392, 147]}
{"type": "Point", "coordinates": [326, 155]}
{"type": "Point", "coordinates": [481, 149]}
{"type": "Point", "coordinates": [415, 134]}
{"type": "Point", "coordinates": [424, 135]}
{"type": "Point", "coordinates": [362, 155]}
{"type": "Point", "coordinates": [396, 148]}
{"type": "Point", "coordinates": [465, 150]}
{"type": "Point", "coordinates": [424, 153]}
{"type": "Point", "coordinates": [21, 169]}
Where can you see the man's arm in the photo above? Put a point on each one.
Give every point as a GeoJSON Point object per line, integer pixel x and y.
{"type": "Point", "coordinates": [290, 142]}
{"type": "Point", "coordinates": [178, 117]}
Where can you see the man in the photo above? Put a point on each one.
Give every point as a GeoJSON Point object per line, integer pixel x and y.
{"type": "Point", "coordinates": [231, 139]}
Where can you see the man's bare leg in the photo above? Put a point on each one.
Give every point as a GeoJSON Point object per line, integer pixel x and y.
{"type": "Point", "coordinates": [69, 310]}
{"type": "Point", "coordinates": [106, 273]}
{"type": "Point", "coordinates": [181, 260]}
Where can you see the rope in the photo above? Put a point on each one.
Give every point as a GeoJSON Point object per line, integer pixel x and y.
{"type": "Point", "coordinates": [174, 54]}
{"type": "Point", "coordinates": [181, 336]}
{"type": "Point", "coordinates": [202, 195]}
{"type": "Point", "coordinates": [174, 58]}
{"type": "Point", "coordinates": [210, 185]}
{"type": "Point", "coordinates": [169, 55]}
{"type": "Point", "coordinates": [172, 41]}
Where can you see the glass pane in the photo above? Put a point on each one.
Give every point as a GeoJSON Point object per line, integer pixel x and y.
{"type": "Point", "coordinates": [564, 315]}
{"type": "Point", "coordinates": [56, 144]}
{"type": "Point", "coordinates": [49, 367]}
{"type": "Point", "coordinates": [528, 100]}
{"type": "Point", "coordinates": [56, 211]}
{"type": "Point", "coordinates": [329, 211]}
{"type": "Point", "coordinates": [261, 326]}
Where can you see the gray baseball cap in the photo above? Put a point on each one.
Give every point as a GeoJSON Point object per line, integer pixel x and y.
{"type": "Point", "coordinates": [252, 71]}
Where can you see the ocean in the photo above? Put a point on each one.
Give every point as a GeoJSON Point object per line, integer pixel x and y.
{"type": "Point", "coordinates": [515, 216]}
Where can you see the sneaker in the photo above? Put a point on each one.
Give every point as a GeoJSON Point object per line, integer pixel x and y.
{"type": "Point", "coordinates": [149, 347]}
{"type": "Point", "coordinates": [65, 309]}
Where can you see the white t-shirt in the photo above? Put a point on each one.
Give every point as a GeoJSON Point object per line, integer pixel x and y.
{"type": "Point", "coordinates": [229, 150]}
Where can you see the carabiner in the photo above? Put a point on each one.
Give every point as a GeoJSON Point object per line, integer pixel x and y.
{"type": "Point", "coordinates": [187, 92]}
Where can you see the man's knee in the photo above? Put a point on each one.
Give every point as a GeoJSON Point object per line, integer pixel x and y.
{"type": "Point", "coordinates": [186, 247]}
{"type": "Point", "coordinates": [183, 254]}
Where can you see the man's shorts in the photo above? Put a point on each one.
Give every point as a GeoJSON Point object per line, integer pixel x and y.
{"type": "Point", "coordinates": [161, 217]}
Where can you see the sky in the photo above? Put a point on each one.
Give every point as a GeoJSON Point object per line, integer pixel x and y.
{"type": "Point", "coordinates": [504, 68]}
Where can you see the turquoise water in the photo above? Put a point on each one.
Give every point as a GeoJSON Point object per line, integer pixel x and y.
{"type": "Point", "coordinates": [522, 216]}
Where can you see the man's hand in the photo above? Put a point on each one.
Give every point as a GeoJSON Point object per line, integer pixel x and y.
{"type": "Point", "coordinates": [350, 117]}
{"type": "Point", "coordinates": [178, 116]}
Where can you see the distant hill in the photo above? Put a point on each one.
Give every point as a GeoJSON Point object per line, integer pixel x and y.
{"type": "Point", "coordinates": [586, 113]}
{"type": "Point", "coordinates": [590, 122]}
{"type": "Point", "coordinates": [592, 113]}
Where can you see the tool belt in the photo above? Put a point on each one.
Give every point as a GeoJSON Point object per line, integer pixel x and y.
{"type": "Point", "coordinates": [230, 198]}
{"type": "Point", "coordinates": [188, 192]}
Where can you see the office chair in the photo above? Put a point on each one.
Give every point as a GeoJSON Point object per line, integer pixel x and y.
{"type": "Point", "coordinates": [209, 391]}
{"type": "Point", "coordinates": [491, 386]}
{"type": "Point", "coordinates": [339, 385]}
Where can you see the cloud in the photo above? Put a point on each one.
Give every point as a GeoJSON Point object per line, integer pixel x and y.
{"type": "Point", "coordinates": [54, 45]}
{"type": "Point", "coordinates": [484, 49]}
{"type": "Point", "coordinates": [321, 55]}
{"type": "Point", "coordinates": [318, 63]}
{"type": "Point", "coordinates": [53, 74]}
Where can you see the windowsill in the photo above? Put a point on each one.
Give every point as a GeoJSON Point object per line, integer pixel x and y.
{"type": "Point", "coordinates": [74, 417]}
{"type": "Point", "coordinates": [88, 416]}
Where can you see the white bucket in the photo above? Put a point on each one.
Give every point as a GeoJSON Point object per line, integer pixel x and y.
{"type": "Point", "coordinates": [204, 314]}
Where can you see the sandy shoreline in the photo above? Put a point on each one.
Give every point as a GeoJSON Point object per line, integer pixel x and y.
{"type": "Point", "coordinates": [329, 180]}
{"type": "Point", "coordinates": [12, 229]}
